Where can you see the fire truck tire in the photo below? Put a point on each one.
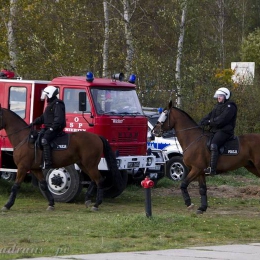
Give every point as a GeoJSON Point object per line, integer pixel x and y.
{"type": "Point", "coordinates": [176, 169]}
{"type": "Point", "coordinates": [64, 183]}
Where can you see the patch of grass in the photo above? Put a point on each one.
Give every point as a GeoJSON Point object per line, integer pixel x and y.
{"type": "Point", "coordinates": [28, 230]}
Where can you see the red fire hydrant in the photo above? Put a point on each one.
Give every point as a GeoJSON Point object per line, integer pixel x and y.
{"type": "Point", "coordinates": [147, 184]}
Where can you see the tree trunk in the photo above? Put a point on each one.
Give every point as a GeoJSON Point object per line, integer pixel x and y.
{"type": "Point", "coordinates": [129, 39]}
{"type": "Point", "coordinates": [106, 40]}
{"type": "Point", "coordinates": [11, 35]}
{"type": "Point", "coordinates": [179, 53]}
{"type": "Point", "coordinates": [220, 29]}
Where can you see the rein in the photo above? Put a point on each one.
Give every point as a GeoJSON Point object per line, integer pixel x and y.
{"type": "Point", "coordinates": [193, 142]}
{"type": "Point", "coordinates": [15, 132]}
{"type": "Point", "coordinates": [185, 129]}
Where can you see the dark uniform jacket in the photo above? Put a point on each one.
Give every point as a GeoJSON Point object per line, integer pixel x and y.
{"type": "Point", "coordinates": [53, 116]}
{"type": "Point", "coordinates": [223, 117]}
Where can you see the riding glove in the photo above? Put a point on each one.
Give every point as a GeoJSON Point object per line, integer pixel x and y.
{"type": "Point", "coordinates": [205, 122]}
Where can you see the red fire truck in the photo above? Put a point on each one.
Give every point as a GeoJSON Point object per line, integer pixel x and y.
{"type": "Point", "coordinates": [107, 107]}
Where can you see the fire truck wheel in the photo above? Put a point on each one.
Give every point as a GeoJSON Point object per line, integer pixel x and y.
{"type": "Point", "coordinates": [176, 169]}
{"type": "Point", "coordinates": [64, 183]}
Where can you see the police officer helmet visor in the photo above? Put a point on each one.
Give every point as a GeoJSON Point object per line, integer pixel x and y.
{"type": "Point", "coordinates": [49, 92]}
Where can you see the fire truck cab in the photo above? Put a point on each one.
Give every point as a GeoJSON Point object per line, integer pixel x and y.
{"type": "Point", "coordinates": [107, 107]}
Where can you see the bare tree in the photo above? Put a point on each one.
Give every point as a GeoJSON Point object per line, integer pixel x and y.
{"type": "Point", "coordinates": [106, 39]}
{"type": "Point", "coordinates": [128, 13]}
{"type": "Point", "coordinates": [179, 52]}
{"type": "Point", "coordinates": [11, 35]}
{"type": "Point", "coordinates": [8, 18]}
{"type": "Point", "coordinates": [129, 7]}
{"type": "Point", "coordinates": [220, 29]}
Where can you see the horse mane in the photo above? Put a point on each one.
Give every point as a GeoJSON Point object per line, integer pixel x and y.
{"type": "Point", "coordinates": [15, 115]}
{"type": "Point", "coordinates": [185, 114]}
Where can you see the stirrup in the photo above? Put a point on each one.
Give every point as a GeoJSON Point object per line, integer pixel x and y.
{"type": "Point", "coordinates": [209, 171]}
{"type": "Point", "coordinates": [47, 166]}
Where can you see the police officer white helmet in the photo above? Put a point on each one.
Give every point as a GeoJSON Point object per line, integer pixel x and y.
{"type": "Point", "coordinates": [222, 91]}
{"type": "Point", "coordinates": [49, 92]}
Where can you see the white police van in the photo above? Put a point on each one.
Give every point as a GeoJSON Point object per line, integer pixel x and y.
{"type": "Point", "coordinates": [175, 168]}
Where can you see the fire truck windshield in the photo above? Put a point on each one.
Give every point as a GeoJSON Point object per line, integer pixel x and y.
{"type": "Point", "coordinates": [116, 101]}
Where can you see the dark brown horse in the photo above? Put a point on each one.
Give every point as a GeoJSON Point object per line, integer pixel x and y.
{"type": "Point", "coordinates": [85, 149]}
{"type": "Point", "coordinates": [196, 155]}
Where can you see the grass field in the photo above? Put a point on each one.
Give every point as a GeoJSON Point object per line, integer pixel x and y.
{"type": "Point", "coordinates": [28, 230]}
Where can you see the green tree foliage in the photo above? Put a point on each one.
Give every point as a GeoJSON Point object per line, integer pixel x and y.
{"type": "Point", "coordinates": [65, 37]}
{"type": "Point", "coordinates": [250, 49]}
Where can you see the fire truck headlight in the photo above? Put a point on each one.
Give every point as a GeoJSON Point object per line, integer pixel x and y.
{"type": "Point", "coordinates": [89, 76]}
{"type": "Point", "coordinates": [132, 79]}
{"type": "Point", "coordinates": [149, 161]}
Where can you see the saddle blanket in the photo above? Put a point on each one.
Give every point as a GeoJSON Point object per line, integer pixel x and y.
{"type": "Point", "coordinates": [231, 147]}
{"type": "Point", "coordinates": [61, 142]}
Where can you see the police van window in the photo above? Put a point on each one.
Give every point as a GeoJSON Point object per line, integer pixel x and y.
{"type": "Point", "coordinates": [71, 100]}
{"type": "Point", "coordinates": [17, 100]}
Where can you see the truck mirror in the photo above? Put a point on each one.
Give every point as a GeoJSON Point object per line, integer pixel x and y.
{"type": "Point", "coordinates": [82, 101]}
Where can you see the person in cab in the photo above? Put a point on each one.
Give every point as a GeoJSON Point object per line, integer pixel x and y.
{"type": "Point", "coordinates": [53, 119]}
{"type": "Point", "coordinates": [222, 122]}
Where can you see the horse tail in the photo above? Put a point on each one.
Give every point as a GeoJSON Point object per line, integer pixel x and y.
{"type": "Point", "coordinates": [119, 180]}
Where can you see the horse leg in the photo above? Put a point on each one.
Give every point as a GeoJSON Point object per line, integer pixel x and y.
{"type": "Point", "coordinates": [15, 188]}
{"type": "Point", "coordinates": [48, 195]}
{"type": "Point", "coordinates": [96, 181]}
{"type": "Point", "coordinates": [185, 194]}
{"type": "Point", "coordinates": [99, 198]}
{"type": "Point", "coordinates": [44, 187]}
{"type": "Point", "coordinates": [12, 197]}
{"type": "Point", "coordinates": [90, 193]}
{"type": "Point", "coordinates": [100, 194]}
{"type": "Point", "coordinates": [203, 195]}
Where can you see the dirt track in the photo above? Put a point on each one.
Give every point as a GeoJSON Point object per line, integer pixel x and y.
{"type": "Point", "coordinates": [247, 190]}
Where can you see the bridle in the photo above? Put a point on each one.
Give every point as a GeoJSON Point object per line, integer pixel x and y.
{"type": "Point", "coordinates": [162, 118]}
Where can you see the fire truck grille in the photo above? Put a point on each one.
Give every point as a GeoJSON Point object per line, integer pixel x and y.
{"type": "Point", "coordinates": [127, 137]}
{"type": "Point", "coordinates": [126, 151]}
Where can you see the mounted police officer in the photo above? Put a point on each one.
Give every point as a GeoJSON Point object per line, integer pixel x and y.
{"type": "Point", "coordinates": [54, 121]}
{"type": "Point", "coordinates": [222, 122]}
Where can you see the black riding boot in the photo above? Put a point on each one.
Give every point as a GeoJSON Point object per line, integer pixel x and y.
{"type": "Point", "coordinates": [46, 154]}
{"type": "Point", "coordinates": [213, 160]}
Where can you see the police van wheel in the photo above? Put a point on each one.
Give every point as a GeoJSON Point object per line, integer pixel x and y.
{"type": "Point", "coordinates": [8, 176]}
{"type": "Point", "coordinates": [64, 183]}
{"type": "Point", "coordinates": [176, 169]}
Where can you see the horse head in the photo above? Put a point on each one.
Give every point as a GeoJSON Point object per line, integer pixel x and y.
{"type": "Point", "coordinates": [163, 124]}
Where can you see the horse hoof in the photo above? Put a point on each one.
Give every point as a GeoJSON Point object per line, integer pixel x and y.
{"type": "Point", "coordinates": [191, 206]}
{"type": "Point", "coordinates": [94, 209]}
{"type": "Point", "coordinates": [50, 208]}
{"type": "Point", "coordinates": [4, 209]}
{"type": "Point", "coordinates": [87, 203]}
{"type": "Point", "coordinates": [199, 211]}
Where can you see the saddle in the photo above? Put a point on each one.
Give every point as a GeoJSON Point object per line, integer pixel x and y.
{"type": "Point", "coordinates": [61, 142]}
{"type": "Point", "coordinates": [231, 147]}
